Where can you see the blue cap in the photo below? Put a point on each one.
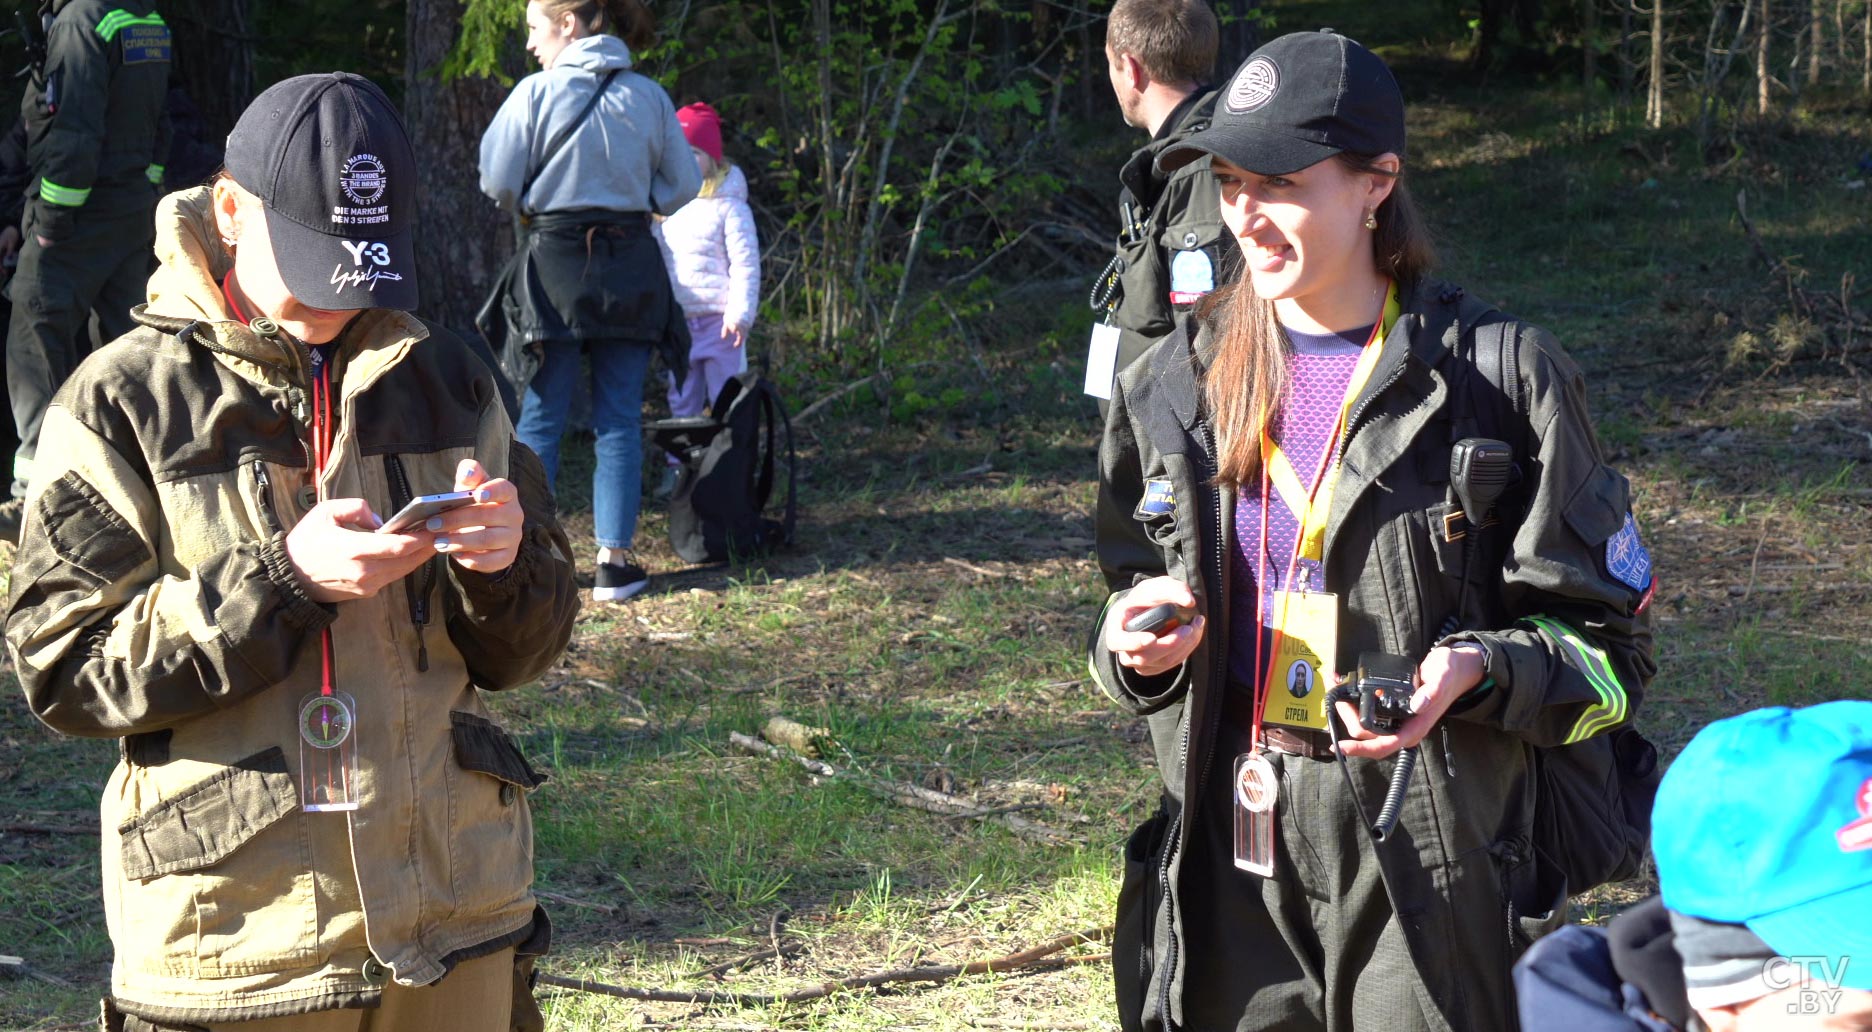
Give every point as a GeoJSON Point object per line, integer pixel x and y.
{"type": "Point", "coordinates": [1765, 820]}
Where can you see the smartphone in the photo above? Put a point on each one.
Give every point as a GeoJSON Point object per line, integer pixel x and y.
{"type": "Point", "coordinates": [1161, 619]}
{"type": "Point", "coordinates": [420, 508]}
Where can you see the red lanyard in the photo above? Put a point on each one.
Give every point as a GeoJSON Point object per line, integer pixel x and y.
{"type": "Point", "coordinates": [321, 453]}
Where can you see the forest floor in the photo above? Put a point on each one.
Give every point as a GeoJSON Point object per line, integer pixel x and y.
{"type": "Point", "coordinates": [933, 615]}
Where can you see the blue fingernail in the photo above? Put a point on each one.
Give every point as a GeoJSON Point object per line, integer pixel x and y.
{"type": "Point", "coordinates": [442, 544]}
{"type": "Point", "coordinates": [435, 523]}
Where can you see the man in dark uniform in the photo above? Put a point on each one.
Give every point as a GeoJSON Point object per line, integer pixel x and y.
{"type": "Point", "coordinates": [96, 137]}
{"type": "Point", "coordinates": [1159, 53]}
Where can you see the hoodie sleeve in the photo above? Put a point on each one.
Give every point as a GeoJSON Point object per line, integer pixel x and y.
{"type": "Point", "coordinates": [743, 247]}
{"type": "Point", "coordinates": [507, 146]}
{"type": "Point", "coordinates": [677, 179]}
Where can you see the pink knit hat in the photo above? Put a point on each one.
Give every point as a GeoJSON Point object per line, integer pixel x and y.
{"type": "Point", "coordinates": [701, 126]}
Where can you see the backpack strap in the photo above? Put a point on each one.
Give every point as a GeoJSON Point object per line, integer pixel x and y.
{"type": "Point", "coordinates": [552, 146]}
{"type": "Point", "coordinates": [774, 412]}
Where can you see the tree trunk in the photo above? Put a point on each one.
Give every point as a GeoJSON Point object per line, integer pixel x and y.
{"type": "Point", "coordinates": [1815, 41]}
{"type": "Point", "coordinates": [462, 240]}
{"type": "Point", "coordinates": [1625, 67]}
{"type": "Point", "coordinates": [1589, 49]}
{"type": "Point", "coordinates": [214, 49]}
{"type": "Point", "coordinates": [1865, 58]}
{"type": "Point", "coordinates": [1654, 97]}
{"type": "Point", "coordinates": [1762, 74]}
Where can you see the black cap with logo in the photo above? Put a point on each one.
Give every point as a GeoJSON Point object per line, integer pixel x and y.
{"type": "Point", "coordinates": [328, 157]}
{"type": "Point", "coordinates": [1297, 101]}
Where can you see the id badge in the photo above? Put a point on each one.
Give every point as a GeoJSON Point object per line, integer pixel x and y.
{"type": "Point", "coordinates": [328, 752]}
{"type": "Point", "coordinates": [1102, 361]}
{"type": "Point", "coordinates": [1301, 671]}
{"type": "Point", "coordinates": [1257, 790]}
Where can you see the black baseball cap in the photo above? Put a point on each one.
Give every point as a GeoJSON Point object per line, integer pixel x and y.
{"type": "Point", "coordinates": [328, 156]}
{"type": "Point", "coordinates": [1296, 101]}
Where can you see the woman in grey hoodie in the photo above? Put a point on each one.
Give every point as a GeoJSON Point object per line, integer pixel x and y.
{"type": "Point", "coordinates": [581, 153]}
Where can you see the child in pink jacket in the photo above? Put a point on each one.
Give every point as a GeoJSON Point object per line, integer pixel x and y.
{"type": "Point", "coordinates": [713, 256]}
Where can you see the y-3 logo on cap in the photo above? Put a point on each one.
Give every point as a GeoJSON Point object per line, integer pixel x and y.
{"type": "Point", "coordinates": [1254, 86]}
{"type": "Point", "coordinates": [361, 275]}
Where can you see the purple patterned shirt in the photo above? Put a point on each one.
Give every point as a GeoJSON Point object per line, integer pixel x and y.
{"type": "Point", "coordinates": [1322, 366]}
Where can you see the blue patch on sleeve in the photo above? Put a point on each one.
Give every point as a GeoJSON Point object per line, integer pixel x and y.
{"type": "Point", "coordinates": [1626, 559]}
{"type": "Point", "coordinates": [1159, 499]}
{"type": "Point", "coordinates": [145, 44]}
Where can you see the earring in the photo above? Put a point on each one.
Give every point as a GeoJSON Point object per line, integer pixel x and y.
{"type": "Point", "coordinates": [1371, 220]}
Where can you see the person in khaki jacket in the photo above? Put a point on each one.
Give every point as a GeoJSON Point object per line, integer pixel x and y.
{"type": "Point", "coordinates": [315, 823]}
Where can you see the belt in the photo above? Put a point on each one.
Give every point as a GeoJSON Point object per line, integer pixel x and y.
{"type": "Point", "coordinates": [1238, 709]}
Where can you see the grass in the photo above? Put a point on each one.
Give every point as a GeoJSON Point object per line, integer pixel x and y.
{"type": "Point", "coordinates": [933, 613]}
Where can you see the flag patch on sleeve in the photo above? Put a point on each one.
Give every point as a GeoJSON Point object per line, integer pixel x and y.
{"type": "Point", "coordinates": [1626, 559]}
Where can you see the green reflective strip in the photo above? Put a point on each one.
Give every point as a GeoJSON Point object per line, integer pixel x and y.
{"type": "Point", "coordinates": [155, 174]}
{"type": "Point", "coordinates": [1591, 661]}
{"type": "Point", "coordinates": [1091, 663]}
{"type": "Point", "coordinates": [65, 196]}
{"type": "Point", "coordinates": [119, 20]}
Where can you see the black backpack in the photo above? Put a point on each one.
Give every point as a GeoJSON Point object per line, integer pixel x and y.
{"type": "Point", "coordinates": [727, 474]}
{"type": "Point", "coordinates": [1593, 799]}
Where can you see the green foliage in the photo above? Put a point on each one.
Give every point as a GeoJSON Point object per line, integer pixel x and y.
{"type": "Point", "coordinates": [489, 32]}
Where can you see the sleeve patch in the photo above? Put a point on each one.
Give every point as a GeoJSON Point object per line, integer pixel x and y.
{"type": "Point", "coordinates": [1626, 558]}
{"type": "Point", "coordinates": [1192, 275]}
{"type": "Point", "coordinates": [1159, 499]}
{"type": "Point", "coordinates": [86, 532]}
{"type": "Point", "coordinates": [145, 44]}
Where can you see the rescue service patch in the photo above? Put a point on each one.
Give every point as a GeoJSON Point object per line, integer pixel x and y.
{"type": "Point", "coordinates": [145, 44]}
{"type": "Point", "coordinates": [1192, 275]}
{"type": "Point", "coordinates": [1159, 499]}
{"type": "Point", "coordinates": [1626, 559]}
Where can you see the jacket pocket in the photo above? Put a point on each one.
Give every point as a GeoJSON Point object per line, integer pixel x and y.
{"type": "Point", "coordinates": [1134, 933]}
{"type": "Point", "coordinates": [491, 830]}
{"type": "Point", "coordinates": [1597, 509]}
{"type": "Point", "coordinates": [220, 877]}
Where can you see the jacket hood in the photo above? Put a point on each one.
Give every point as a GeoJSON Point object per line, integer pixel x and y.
{"type": "Point", "coordinates": [186, 288]}
{"type": "Point", "coordinates": [599, 53]}
{"type": "Point", "coordinates": [733, 186]}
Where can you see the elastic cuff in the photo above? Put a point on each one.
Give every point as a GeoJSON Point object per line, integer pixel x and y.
{"type": "Point", "coordinates": [301, 609]}
{"type": "Point", "coordinates": [500, 585]}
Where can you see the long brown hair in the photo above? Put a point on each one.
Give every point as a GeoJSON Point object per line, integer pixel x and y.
{"type": "Point", "coordinates": [628, 20]}
{"type": "Point", "coordinates": [1244, 385]}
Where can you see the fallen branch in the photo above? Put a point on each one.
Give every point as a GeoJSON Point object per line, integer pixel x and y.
{"type": "Point", "coordinates": [715, 971]}
{"type": "Point", "coordinates": [605, 908]}
{"type": "Point", "coordinates": [1039, 958]}
{"type": "Point", "coordinates": [808, 412]}
{"type": "Point", "coordinates": [909, 795]}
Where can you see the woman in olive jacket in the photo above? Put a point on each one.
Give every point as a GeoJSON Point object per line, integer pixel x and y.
{"type": "Point", "coordinates": [1338, 358]}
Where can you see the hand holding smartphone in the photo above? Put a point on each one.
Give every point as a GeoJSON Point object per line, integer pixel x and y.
{"type": "Point", "coordinates": [422, 507]}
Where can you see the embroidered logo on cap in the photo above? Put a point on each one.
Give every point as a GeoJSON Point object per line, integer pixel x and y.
{"type": "Point", "coordinates": [1254, 86]}
{"type": "Point", "coordinates": [363, 180]}
{"type": "Point", "coordinates": [1857, 835]}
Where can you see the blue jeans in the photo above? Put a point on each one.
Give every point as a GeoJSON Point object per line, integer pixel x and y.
{"type": "Point", "coordinates": [617, 415]}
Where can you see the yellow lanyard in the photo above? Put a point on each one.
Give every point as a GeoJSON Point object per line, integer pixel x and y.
{"type": "Point", "coordinates": [1312, 508]}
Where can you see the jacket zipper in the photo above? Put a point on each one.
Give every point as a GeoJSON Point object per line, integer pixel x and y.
{"type": "Point", "coordinates": [265, 484]}
{"type": "Point", "coordinates": [1218, 584]}
{"type": "Point", "coordinates": [420, 584]}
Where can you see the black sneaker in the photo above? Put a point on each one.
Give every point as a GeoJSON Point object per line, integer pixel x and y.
{"type": "Point", "coordinates": [619, 581]}
{"type": "Point", "coordinates": [12, 513]}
